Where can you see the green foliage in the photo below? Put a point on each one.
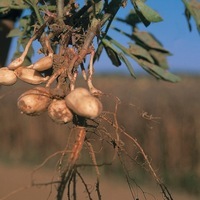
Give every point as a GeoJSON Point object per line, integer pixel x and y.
{"type": "Point", "coordinates": [6, 6]}
{"type": "Point", "coordinates": [113, 54]}
{"type": "Point", "coordinates": [140, 52]}
{"type": "Point", "coordinates": [143, 48]}
{"type": "Point", "coordinates": [145, 13]}
{"type": "Point", "coordinates": [15, 33]}
{"type": "Point", "coordinates": [151, 68]}
{"type": "Point", "coordinates": [192, 10]}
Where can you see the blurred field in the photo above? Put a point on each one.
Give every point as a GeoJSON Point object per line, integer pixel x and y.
{"type": "Point", "coordinates": [164, 117]}
{"type": "Point", "coordinates": [16, 179]}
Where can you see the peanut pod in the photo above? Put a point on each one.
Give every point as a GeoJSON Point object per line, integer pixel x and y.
{"type": "Point", "coordinates": [43, 63]}
{"type": "Point", "coordinates": [7, 77]}
{"type": "Point", "coordinates": [59, 112]}
{"type": "Point", "coordinates": [82, 103]}
{"type": "Point", "coordinates": [34, 101]}
{"type": "Point", "coordinates": [16, 63]}
{"type": "Point", "coordinates": [30, 76]}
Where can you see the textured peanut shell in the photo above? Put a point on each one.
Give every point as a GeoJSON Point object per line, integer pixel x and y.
{"type": "Point", "coordinates": [7, 77]}
{"type": "Point", "coordinates": [34, 101]}
{"type": "Point", "coordinates": [30, 76]}
{"type": "Point", "coordinates": [43, 63]}
{"type": "Point", "coordinates": [16, 63]}
{"type": "Point", "coordinates": [82, 103]}
{"type": "Point", "coordinates": [59, 112]}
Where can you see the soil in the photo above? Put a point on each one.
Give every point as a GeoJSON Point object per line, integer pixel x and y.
{"type": "Point", "coordinates": [15, 184]}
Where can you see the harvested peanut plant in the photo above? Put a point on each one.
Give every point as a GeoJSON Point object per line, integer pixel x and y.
{"type": "Point", "coordinates": [69, 35]}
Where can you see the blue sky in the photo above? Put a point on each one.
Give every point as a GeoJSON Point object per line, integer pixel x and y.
{"type": "Point", "coordinates": [172, 32]}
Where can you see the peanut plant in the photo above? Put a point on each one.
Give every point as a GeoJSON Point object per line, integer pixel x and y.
{"type": "Point", "coordinates": [69, 34]}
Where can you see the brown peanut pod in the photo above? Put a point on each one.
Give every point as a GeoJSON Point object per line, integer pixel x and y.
{"type": "Point", "coordinates": [81, 102]}
{"type": "Point", "coordinates": [43, 63]}
{"type": "Point", "coordinates": [79, 92]}
{"type": "Point", "coordinates": [34, 101]}
{"type": "Point", "coordinates": [7, 77]}
{"type": "Point", "coordinates": [16, 63]}
{"type": "Point", "coordinates": [30, 76]}
{"type": "Point", "coordinates": [59, 112]}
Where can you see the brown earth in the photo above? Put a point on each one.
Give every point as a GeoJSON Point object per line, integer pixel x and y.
{"type": "Point", "coordinates": [15, 185]}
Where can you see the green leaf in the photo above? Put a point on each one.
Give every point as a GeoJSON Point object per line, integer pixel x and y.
{"type": "Point", "coordinates": [127, 63]}
{"type": "Point", "coordinates": [14, 33]}
{"type": "Point", "coordinates": [161, 73]}
{"type": "Point", "coordinates": [188, 16]}
{"type": "Point", "coordinates": [7, 5]}
{"type": "Point", "coordinates": [151, 68]}
{"type": "Point", "coordinates": [145, 13]}
{"type": "Point", "coordinates": [98, 7]}
{"type": "Point", "coordinates": [148, 40]}
{"type": "Point", "coordinates": [140, 52]}
{"type": "Point", "coordinates": [98, 52]}
{"type": "Point", "coordinates": [142, 17]}
{"type": "Point", "coordinates": [108, 42]}
{"type": "Point", "coordinates": [112, 53]}
{"type": "Point", "coordinates": [4, 10]}
{"type": "Point", "coordinates": [4, 7]}
{"type": "Point", "coordinates": [4, 4]}
{"type": "Point", "coordinates": [25, 25]}
{"type": "Point", "coordinates": [192, 9]}
{"type": "Point", "coordinates": [148, 13]}
{"type": "Point", "coordinates": [24, 21]}
{"type": "Point", "coordinates": [131, 19]}
{"type": "Point", "coordinates": [160, 58]}
{"type": "Point", "coordinates": [18, 2]}
{"type": "Point", "coordinates": [113, 56]}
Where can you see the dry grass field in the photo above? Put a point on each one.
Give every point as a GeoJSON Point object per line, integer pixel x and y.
{"type": "Point", "coordinates": [164, 117]}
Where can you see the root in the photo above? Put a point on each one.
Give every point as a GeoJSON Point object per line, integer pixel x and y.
{"type": "Point", "coordinates": [70, 170]}
{"type": "Point", "coordinates": [92, 155]}
{"type": "Point", "coordinates": [164, 189]}
{"type": "Point", "coordinates": [91, 87]}
{"type": "Point", "coordinates": [85, 185]}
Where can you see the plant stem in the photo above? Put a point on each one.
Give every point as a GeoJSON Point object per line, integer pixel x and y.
{"type": "Point", "coordinates": [36, 10]}
{"type": "Point", "coordinates": [92, 32]}
{"type": "Point", "coordinates": [38, 14]}
{"type": "Point", "coordinates": [60, 8]}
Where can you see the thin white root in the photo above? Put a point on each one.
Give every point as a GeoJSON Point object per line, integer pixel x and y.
{"type": "Point", "coordinates": [18, 61]}
{"type": "Point", "coordinates": [91, 87]}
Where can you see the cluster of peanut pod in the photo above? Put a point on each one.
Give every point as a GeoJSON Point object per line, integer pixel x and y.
{"type": "Point", "coordinates": [61, 106]}
{"type": "Point", "coordinates": [60, 109]}
{"type": "Point", "coordinates": [29, 74]}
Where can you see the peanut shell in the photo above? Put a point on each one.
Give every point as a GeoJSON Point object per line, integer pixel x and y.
{"type": "Point", "coordinates": [82, 103]}
{"type": "Point", "coordinates": [43, 63]}
{"type": "Point", "coordinates": [34, 101]}
{"type": "Point", "coordinates": [30, 76]}
{"type": "Point", "coordinates": [59, 112]}
{"type": "Point", "coordinates": [7, 77]}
